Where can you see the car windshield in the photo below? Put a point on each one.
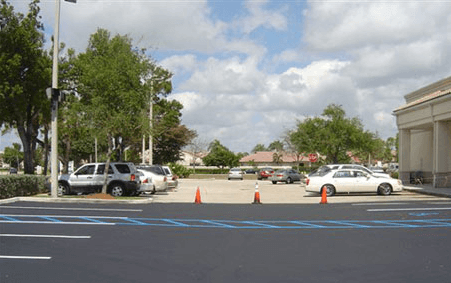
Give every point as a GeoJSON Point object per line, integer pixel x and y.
{"type": "Point", "coordinates": [321, 171]}
{"type": "Point", "coordinates": [155, 170]}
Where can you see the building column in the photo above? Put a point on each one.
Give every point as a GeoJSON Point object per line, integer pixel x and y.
{"type": "Point", "coordinates": [404, 155]}
{"type": "Point", "coordinates": [442, 140]}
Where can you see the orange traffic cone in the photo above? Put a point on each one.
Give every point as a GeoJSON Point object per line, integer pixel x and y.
{"type": "Point", "coordinates": [323, 196]}
{"type": "Point", "coordinates": [197, 199]}
{"type": "Point", "coordinates": [256, 195]}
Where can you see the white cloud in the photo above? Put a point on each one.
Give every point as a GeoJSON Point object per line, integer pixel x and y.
{"type": "Point", "coordinates": [228, 74]}
{"type": "Point", "coordinates": [231, 76]}
{"type": "Point", "coordinates": [259, 17]}
{"type": "Point", "coordinates": [179, 63]}
{"type": "Point", "coordinates": [340, 25]}
{"type": "Point", "coordinates": [169, 25]}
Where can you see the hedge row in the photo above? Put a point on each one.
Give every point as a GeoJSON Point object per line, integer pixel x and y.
{"type": "Point", "coordinates": [211, 171]}
{"type": "Point", "coordinates": [21, 185]}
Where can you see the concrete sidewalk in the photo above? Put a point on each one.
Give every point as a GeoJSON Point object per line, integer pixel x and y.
{"type": "Point", "coordinates": [428, 189]}
{"type": "Point", "coordinates": [242, 192]}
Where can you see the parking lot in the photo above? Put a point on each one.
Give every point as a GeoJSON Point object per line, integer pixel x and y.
{"type": "Point", "coordinates": [167, 238]}
{"type": "Point", "coordinates": [242, 192]}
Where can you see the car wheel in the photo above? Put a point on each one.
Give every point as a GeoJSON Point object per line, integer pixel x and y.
{"type": "Point", "coordinates": [153, 191]}
{"type": "Point", "coordinates": [384, 189]}
{"type": "Point", "coordinates": [274, 182]}
{"type": "Point", "coordinates": [63, 189]}
{"type": "Point", "coordinates": [330, 190]}
{"type": "Point", "coordinates": [289, 181]}
{"type": "Point", "coordinates": [117, 190]}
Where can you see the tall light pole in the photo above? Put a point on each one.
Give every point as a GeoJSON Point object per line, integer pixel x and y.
{"type": "Point", "coordinates": [54, 103]}
{"type": "Point", "coordinates": [150, 123]}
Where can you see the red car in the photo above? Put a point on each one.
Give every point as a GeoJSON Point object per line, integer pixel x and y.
{"type": "Point", "coordinates": [265, 173]}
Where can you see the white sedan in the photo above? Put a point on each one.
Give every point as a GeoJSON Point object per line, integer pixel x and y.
{"type": "Point", "coordinates": [352, 181]}
{"type": "Point", "coordinates": [158, 183]}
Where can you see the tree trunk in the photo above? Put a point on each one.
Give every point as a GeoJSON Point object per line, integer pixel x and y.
{"type": "Point", "coordinates": [28, 152]}
{"type": "Point", "coordinates": [46, 151]}
{"type": "Point", "coordinates": [107, 165]}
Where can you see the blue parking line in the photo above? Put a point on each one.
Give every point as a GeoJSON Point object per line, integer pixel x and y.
{"type": "Point", "coordinates": [228, 224]}
{"type": "Point", "coordinates": [260, 224]}
{"type": "Point", "coordinates": [395, 224]}
{"type": "Point", "coordinates": [352, 224]}
{"type": "Point", "coordinates": [176, 223]}
{"type": "Point", "coordinates": [308, 225]}
{"type": "Point", "coordinates": [51, 219]}
{"type": "Point", "coordinates": [437, 222]}
{"type": "Point", "coordinates": [90, 219]}
{"type": "Point", "coordinates": [219, 224]}
{"type": "Point", "coordinates": [11, 219]}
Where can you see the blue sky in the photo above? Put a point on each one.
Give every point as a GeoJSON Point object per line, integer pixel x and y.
{"type": "Point", "coordinates": [247, 71]}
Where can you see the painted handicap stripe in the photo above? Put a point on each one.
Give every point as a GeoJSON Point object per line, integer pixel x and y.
{"type": "Point", "coordinates": [226, 224]}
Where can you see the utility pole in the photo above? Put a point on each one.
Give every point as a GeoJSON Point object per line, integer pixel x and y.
{"type": "Point", "coordinates": [54, 103]}
{"type": "Point", "coordinates": [150, 124]}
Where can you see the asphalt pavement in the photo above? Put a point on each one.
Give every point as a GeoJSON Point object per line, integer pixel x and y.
{"type": "Point", "coordinates": [184, 242]}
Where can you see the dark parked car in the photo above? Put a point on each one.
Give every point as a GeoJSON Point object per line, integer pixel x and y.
{"type": "Point", "coordinates": [251, 171]}
{"type": "Point", "coordinates": [12, 170]}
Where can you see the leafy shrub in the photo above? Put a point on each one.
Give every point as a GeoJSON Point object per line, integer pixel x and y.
{"type": "Point", "coordinates": [211, 171]}
{"type": "Point", "coordinates": [21, 185]}
{"type": "Point", "coordinates": [180, 170]}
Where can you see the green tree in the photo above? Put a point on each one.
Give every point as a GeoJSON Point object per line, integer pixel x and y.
{"type": "Point", "coordinates": [13, 155]}
{"type": "Point", "coordinates": [332, 135]}
{"type": "Point", "coordinates": [114, 82]}
{"type": "Point", "coordinates": [277, 157]}
{"type": "Point", "coordinates": [25, 73]}
{"type": "Point", "coordinates": [276, 146]}
{"type": "Point", "coordinates": [220, 156]}
{"type": "Point", "coordinates": [259, 147]}
{"type": "Point", "coordinates": [392, 143]}
{"type": "Point", "coordinates": [169, 135]}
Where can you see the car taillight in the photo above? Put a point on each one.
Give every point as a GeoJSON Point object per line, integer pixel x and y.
{"type": "Point", "coordinates": [174, 178]}
{"type": "Point", "coordinates": [145, 181]}
{"type": "Point", "coordinates": [280, 175]}
{"type": "Point", "coordinates": [132, 177]}
{"type": "Point", "coordinates": [307, 181]}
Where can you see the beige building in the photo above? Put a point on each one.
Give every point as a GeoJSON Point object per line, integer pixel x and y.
{"type": "Point", "coordinates": [424, 125]}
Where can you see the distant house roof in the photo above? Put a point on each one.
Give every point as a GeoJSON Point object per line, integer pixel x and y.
{"type": "Point", "coordinates": [267, 156]}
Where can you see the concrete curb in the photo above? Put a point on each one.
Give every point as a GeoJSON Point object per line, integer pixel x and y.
{"type": "Point", "coordinates": [427, 192]}
{"type": "Point", "coordinates": [75, 200]}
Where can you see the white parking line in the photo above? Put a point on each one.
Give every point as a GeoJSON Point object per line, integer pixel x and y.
{"type": "Point", "coordinates": [45, 236]}
{"type": "Point", "coordinates": [68, 208]}
{"type": "Point", "coordinates": [380, 203]}
{"type": "Point", "coordinates": [25, 257]}
{"type": "Point", "coordinates": [411, 209]}
{"type": "Point", "coordinates": [62, 216]}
